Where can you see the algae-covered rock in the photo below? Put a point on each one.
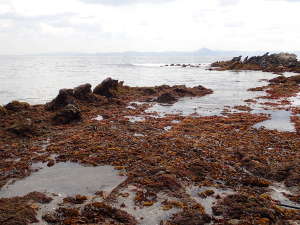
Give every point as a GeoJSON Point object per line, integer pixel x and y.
{"type": "Point", "coordinates": [17, 106]}
{"type": "Point", "coordinates": [64, 97]}
{"type": "Point", "coordinates": [67, 115]}
{"type": "Point", "coordinates": [82, 91]}
{"type": "Point", "coordinates": [107, 88]}
{"type": "Point", "coordinates": [166, 98]}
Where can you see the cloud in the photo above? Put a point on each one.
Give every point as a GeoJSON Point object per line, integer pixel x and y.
{"type": "Point", "coordinates": [228, 2]}
{"type": "Point", "coordinates": [34, 26]}
{"type": "Point", "coordinates": [124, 2]}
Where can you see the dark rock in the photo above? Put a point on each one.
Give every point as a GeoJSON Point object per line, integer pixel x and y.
{"type": "Point", "coordinates": [67, 115]}
{"type": "Point", "coordinates": [64, 98]}
{"type": "Point", "coordinates": [237, 59]}
{"type": "Point", "coordinates": [17, 106]}
{"type": "Point", "coordinates": [22, 128]}
{"type": "Point", "coordinates": [166, 98]}
{"type": "Point", "coordinates": [149, 91]}
{"type": "Point", "coordinates": [3, 111]}
{"type": "Point", "coordinates": [201, 88]}
{"type": "Point", "coordinates": [107, 88]}
{"type": "Point", "coordinates": [182, 91]}
{"type": "Point", "coordinates": [83, 91]}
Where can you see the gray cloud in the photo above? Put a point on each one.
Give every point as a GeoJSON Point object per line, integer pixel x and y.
{"type": "Point", "coordinates": [123, 2]}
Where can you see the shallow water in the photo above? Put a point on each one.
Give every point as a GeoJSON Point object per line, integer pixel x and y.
{"type": "Point", "coordinates": [230, 89]}
{"type": "Point", "coordinates": [280, 120]}
{"type": "Point", "coordinates": [277, 193]}
{"type": "Point", "coordinates": [66, 179]}
{"type": "Point", "coordinates": [51, 73]}
{"type": "Point", "coordinates": [146, 215]}
{"type": "Point", "coordinates": [209, 201]}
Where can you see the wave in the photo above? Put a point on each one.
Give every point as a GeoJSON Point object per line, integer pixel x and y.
{"type": "Point", "coordinates": [149, 64]}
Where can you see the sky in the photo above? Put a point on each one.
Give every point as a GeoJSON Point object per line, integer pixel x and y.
{"type": "Point", "coordinates": [89, 26]}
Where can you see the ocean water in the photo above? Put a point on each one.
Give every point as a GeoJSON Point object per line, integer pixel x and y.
{"type": "Point", "coordinates": [37, 79]}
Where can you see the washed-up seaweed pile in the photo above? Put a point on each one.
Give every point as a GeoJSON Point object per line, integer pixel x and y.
{"type": "Point", "coordinates": [166, 160]}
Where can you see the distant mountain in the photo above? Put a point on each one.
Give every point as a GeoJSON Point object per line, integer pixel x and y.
{"type": "Point", "coordinates": [201, 52]}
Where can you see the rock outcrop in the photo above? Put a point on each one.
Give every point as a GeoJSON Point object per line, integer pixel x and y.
{"type": "Point", "coordinates": [70, 96]}
{"type": "Point", "coordinates": [64, 97]}
{"type": "Point", "coordinates": [83, 91]}
{"type": "Point", "coordinates": [107, 88]}
{"type": "Point", "coordinates": [281, 62]}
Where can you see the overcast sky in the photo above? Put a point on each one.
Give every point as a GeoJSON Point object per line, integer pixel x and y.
{"type": "Point", "coordinates": [41, 26]}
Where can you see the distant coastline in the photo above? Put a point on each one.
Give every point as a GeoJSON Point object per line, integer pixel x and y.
{"type": "Point", "coordinates": [205, 52]}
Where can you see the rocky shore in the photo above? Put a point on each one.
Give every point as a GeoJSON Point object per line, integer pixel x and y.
{"type": "Point", "coordinates": [277, 63]}
{"type": "Point", "coordinates": [201, 170]}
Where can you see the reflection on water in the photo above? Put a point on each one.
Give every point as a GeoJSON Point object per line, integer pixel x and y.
{"type": "Point", "coordinates": [52, 73]}
{"type": "Point", "coordinates": [66, 179]}
{"type": "Point", "coordinates": [280, 120]}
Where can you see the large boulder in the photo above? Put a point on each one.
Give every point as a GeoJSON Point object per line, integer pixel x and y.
{"type": "Point", "coordinates": [69, 96]}
{"type": "Point", "coordinates": [107, 88]}
{"type": "Point", "coordinates": [64, 97]}
{"type": "Point", "coordinates": [82, 91]}
{"type": "Point", "coordinates": [68, 114]}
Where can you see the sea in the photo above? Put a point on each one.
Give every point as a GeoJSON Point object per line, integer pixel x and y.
{"type": "Point", "coordinates": [38, 79]}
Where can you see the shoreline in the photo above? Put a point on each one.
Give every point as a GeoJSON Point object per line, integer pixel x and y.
{"type": "Point", "coordinates": [209, 155]}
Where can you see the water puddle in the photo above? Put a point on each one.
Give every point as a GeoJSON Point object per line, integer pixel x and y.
{"type": "Point", "coordinates": [208, 201]}
{"type": "Point", "coordinates": [278, 192]}
{"type": "Point", "coordinates": [66, 179]}
{"type": "Point", "coordinates": [167, 128]}
{"type": "Point", "coordinates": [280, 120]}
{"type": "Point", "coordinates": [98, 118]}
{"type": "Point", "coordinates": [134, 119]}
{"type": "Point", "coordinates": [153, 214]}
